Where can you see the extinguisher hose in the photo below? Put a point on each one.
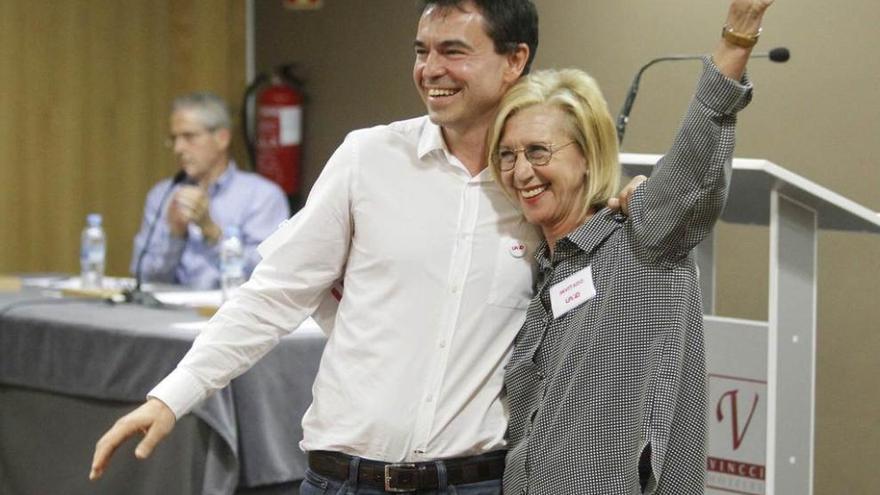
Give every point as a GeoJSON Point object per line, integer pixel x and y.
{"type": "Point", "coordinates": [248, 117]}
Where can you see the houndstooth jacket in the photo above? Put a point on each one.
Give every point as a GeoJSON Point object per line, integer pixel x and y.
{"type": "Point", "coordinates": [590, 389]}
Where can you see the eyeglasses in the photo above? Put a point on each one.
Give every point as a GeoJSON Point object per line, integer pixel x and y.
{"type": "Point", "coordinates": [536, 154]}
{"type": "Point", "coordinates": [188, 137]}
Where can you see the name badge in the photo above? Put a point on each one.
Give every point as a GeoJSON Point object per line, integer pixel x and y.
{"type": "Point", "coordinates": [575, 290]}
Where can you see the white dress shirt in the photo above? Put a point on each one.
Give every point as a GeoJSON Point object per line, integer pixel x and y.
{"type": "Point", "coordinates": [437, 272]}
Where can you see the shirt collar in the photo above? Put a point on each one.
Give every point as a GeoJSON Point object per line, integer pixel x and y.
{"type": "Point", "coordinates": [585, 238]}
{"type": "Point", "coordinates": [431, 141]}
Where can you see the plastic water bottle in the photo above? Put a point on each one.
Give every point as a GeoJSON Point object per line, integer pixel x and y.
{"type": "Point", "coordinates": [92, 253]}
{"type": "Point", "coordinates": [231, 261]}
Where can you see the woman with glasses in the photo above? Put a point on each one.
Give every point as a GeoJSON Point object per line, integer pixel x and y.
{"type": "Point", "coordinates": [607, 383]}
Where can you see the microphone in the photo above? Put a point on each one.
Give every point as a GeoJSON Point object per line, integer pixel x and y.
{"type": "Point", "coordinates": [780, 55]}
{"type": "Point", "coordinates": [136, 295]}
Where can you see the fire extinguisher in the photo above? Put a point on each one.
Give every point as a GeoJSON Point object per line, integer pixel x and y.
{"type": "Point", "coordinates": [272, 116]}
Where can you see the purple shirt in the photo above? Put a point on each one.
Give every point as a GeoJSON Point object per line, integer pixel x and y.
{"type": "Point", "coordinates": [255, 204]}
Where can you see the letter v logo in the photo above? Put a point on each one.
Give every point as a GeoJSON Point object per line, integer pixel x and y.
{"type": "Point", "coordinates": [734, 416]}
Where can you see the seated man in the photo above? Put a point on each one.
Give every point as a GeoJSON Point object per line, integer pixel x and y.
{"type": "Point", "coordinates": [214, 195]}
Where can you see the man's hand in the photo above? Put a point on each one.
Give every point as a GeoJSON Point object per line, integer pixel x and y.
{"type": "Point", "coordinates": [178, 219]}
{"type": "Point", "coordinates": [621, 201]}
{"type": "Point", "coordinates": [153, 419]}
{"type": "Point", "coordinates": [190, 204]}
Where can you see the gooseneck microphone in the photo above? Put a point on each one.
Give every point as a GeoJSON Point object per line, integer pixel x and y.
{"type": "Point", "coordinates": [137, 295]}
{"type": "Point", "coordinates": [779, 55]}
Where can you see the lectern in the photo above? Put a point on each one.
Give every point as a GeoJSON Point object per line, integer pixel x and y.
{"type": "Point", "coordinates": [762, 374]}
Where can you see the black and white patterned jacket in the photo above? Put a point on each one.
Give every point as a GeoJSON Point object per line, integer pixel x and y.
{"type": "Point", "coordinates": [590, 389]}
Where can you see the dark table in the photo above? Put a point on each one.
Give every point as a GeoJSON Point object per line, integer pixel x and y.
{"type": "Point", "coordinates": [69, 367]}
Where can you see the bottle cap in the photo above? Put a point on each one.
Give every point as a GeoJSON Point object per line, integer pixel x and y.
{"type": "Point", "coordinates": [94, 219]}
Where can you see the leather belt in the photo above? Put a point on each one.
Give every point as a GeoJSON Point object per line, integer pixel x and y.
{"type": "Point", "coordinates": [409, 476]}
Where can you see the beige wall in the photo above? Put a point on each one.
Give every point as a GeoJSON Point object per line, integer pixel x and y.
{"type": "Point", "coordinates": [84, 93]}
{"type": "Point", "coordinates": [356, 59]}
{"type": "Point", "coordinates": [815, 115]}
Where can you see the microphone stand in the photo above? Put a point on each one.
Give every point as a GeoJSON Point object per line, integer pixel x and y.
{"type": "Point", "coordinates": [779, 55]}
{"type": "Point", "coordinates": [623, 116]}
{"type": "Point", "coordinates": [137, 295]}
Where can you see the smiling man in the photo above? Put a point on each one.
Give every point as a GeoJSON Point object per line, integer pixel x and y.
{"type": "Point", "coordinates": [436, 264]}
{"type": "Point", "coordinates": [184, 248]}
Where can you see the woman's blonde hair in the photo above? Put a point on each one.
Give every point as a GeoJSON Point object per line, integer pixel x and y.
{"type": "Point", "coordinates": [589, 124]}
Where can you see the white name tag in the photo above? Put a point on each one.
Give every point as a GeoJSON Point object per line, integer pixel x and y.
{"type": "Point", "coordinates": [575, 290]}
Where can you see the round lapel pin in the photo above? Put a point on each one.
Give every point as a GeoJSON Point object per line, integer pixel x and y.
{"type": "Point", "coordinates": [517, 249]}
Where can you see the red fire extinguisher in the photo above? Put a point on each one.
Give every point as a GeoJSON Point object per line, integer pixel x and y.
{"type": "Point", "coordinates": [274, 137]}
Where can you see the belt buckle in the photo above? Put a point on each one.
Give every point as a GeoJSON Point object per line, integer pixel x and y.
{"type": "Point", "coordinates": [394, 483]}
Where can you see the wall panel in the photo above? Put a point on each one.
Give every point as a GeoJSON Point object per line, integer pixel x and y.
{"type": "Point", "coordinates": [84, 93]}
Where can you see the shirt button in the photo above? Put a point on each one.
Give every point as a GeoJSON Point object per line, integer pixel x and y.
{"type": "Point", "coordinates": [430, 398]}
{"type": "Point", "coordinates": [443, 344]}
{"type": "Point", "coordinates": [454, 289]}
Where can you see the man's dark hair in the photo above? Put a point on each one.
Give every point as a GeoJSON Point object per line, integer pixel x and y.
{"type": "Point", "coordinates": [509, 23]}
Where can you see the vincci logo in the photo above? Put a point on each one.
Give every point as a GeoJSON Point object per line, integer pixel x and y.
{"type": "Point", "coordinates": [737, 435]}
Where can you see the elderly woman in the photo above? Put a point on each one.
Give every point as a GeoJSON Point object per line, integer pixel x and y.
{"type": "Point", "coordinates": [607, 384]}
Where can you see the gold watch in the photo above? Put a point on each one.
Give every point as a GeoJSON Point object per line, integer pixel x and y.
{"type": "Point", "coordinates": [740, 39]}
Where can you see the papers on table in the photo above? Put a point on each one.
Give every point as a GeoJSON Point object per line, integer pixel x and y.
{"type": "Point", "coordinates": [64, 282]}
{"type": "Point", "coordinates": [191, 298]}
{"type": "Point", "coordinates": [205, 302]}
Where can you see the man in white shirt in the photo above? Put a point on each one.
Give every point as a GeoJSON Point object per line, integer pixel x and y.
{"type": "Point", "coordinates": [436, 265]}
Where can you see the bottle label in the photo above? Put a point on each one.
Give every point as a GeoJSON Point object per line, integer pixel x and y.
{"type": "Point", "coordinates": [95, 255]}
{"type": "Point", "coordinates": [233, 270]}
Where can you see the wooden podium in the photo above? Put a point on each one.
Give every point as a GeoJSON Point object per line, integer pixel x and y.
{"type": "Point", "coordinates": [762, 374]}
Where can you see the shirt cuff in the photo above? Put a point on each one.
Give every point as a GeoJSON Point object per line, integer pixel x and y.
{"type": "Point", "coordinates": [721, 93]}
{"type": "Point", "coordinates": [180, 391]}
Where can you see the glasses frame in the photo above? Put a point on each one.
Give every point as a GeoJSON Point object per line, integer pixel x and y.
{"type": "Point", "coordinates": [188, 137]}
{"type": "Point", "coordinates": [516, 151]}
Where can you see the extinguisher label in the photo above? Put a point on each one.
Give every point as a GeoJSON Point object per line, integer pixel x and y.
{"type": "Point", "coordinates": [290, 121]}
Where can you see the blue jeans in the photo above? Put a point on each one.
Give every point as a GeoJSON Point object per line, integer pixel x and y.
{"type": "Point", "coordinates": [315, 484]}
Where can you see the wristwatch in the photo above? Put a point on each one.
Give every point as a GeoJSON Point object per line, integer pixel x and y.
{"type": "Point", "coordinates": [740, 39]}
